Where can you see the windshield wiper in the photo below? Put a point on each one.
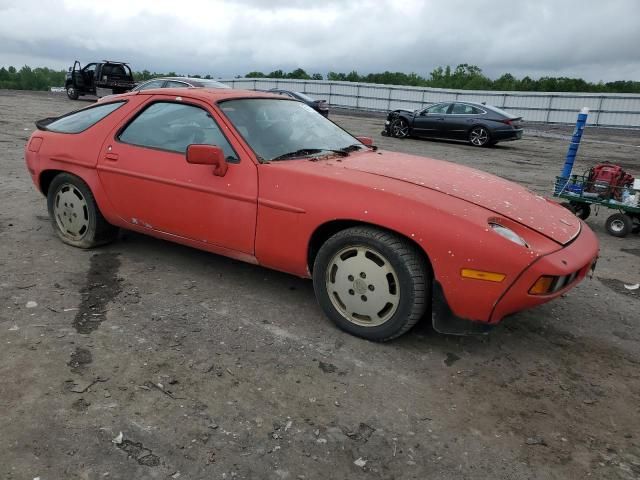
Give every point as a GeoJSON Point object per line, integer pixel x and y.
{"type": "Point", "coordinates": [309, 151]}
{"type": "Point", "coordinates": [352, 148]}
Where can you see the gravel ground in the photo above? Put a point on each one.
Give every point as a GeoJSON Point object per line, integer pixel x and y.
{"type": "Point", "coordinates": [212, 368]}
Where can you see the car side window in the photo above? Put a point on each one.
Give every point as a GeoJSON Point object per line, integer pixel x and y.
{"type": "Point", "coordinates": [174, 126]}
{"type": "Point", "coordinates": [79, 121]}
{"type": "Point", "coordinates": [476, 111]}
{"type": "Point", "coordinates": [438, 109]}
{"type": "Point", "coordinates": [459, 109]}
{"type": "Point", "coordinates": [174, 84]}
{"type": "Point", "coordinates": [152, 84]}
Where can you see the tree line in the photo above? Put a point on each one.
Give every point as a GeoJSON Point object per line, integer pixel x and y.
{"type": "Point", "coordinates": [464, 77]}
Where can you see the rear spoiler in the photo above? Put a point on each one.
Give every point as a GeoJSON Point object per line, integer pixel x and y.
{"type": "Point", "coordinates": [42, 124]}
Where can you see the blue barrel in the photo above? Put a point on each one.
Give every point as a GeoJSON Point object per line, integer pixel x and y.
{"type": "Point", "coordinates": [573, 150]}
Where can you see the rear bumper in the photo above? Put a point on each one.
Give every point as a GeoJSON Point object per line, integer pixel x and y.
{"type": "Point", "coordinates": [505, 135]}
{"type": "Point", "coordinates": [573, 262]}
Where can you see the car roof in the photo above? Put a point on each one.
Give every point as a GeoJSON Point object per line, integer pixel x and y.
{"type": "Point", "coordinates": [206, 94]}
{"type": "Point", "coordinates": [475, 104]}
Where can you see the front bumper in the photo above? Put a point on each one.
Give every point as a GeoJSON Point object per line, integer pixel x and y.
{"type": "Point", "coordinates": [387, 129]}
{"type": "Point", "coordinates": [573, 262]}
{"type": "Point", "coordinates": [570, 264]}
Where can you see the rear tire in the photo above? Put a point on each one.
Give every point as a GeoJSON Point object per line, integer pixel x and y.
{"type": "Point", "coordinates": [619, 225]}
{"type": "Point", "coordinates": [75, 215]}
{"type": "Point", "coordinates": [371, 283]}
{"type": "Point", "coordinates": [72, 93]}
{"type": "Point", "coordinates": [479, 136]}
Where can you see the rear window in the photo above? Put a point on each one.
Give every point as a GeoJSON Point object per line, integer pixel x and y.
{"type": "Point", "coordinates": [500, 111]}
{"type": "Point", "coordinates": [79, 121]}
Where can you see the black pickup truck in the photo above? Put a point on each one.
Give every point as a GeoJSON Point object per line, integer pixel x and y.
{"type": "Point", "coordinates": [99, 78]}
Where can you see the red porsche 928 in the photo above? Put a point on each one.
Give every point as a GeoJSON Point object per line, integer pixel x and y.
{"type": "Point", "coordinates": [387, 238]}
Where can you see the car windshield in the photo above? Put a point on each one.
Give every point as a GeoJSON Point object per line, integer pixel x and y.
{"type": "Point", "coordinates": [284, 129]}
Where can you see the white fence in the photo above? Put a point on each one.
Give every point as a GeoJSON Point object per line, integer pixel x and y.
{"type": "Point", "coordinates": [616, 110]}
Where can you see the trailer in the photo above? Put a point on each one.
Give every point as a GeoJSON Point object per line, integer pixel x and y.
{"type": "Point", "coordinates": [582, 194]}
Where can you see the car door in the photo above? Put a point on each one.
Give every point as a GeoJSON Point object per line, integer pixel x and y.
{"type": "Point", "coordinates": [146, 176]}
{"type": "Point", "coordinates": [461, 117]}
{"type": "Point", "coordinates": [89, 76]}
{"type": "Point", "coordinates": [429, 122]}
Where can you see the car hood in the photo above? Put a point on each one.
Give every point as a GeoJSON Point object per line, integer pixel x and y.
{"type": "Point", "coordinates": [493, 193]}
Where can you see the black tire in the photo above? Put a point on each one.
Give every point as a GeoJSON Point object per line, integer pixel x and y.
{"type": "Point", "coordinates": [72, 92]}
{"type": "Point", "coordinates": [403, 291]}
{"type": "Point", "coordinates": [75, 216]}
{"type": "Point", "coordinates": [399, 128]}
{"type": "Point", "coordinates": [619, 225]}
{"type": "Point", "coordinates": [581, 210]}
{"type": "Point", "coordinates": [479, 136]}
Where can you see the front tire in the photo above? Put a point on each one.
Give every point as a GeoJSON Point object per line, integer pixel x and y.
{"type": "Point", "coordinates": [579, 209]}
{"type": "Point", "coordinates": [75, 216]}
{"type": "Point", "coordinates": [479, 136]}
{"type": "Point", "coordinates": [400, 128]}
{"type": "Point", "coordinates": [619, 225]}
{"type": "Point", "coordinates": [72, 93]}
{"type": "Point", "coordinates": [371, 283]}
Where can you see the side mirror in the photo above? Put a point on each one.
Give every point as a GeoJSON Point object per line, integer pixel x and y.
{"type": "Point", "coordinates": [208, 155]}
{"type": "Point", "coordinates": [368, 141]}
{"type": "Point", "coordinates": [69, 68]}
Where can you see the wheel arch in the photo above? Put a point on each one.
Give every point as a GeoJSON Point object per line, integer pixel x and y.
{"type": "Point", "coordinates": [407, 117]}
{"type": "Point", "coordinates": [479, 124]}
{"type": "Point", "coordinates": [324, 231]}
{"type": "Point", "coordinates": [89, 177]}
{"type": "Point", "coordinates": [46, 177]}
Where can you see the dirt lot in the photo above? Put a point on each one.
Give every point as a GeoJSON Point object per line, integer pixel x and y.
{"type": "Point", "coordinates": [213, 368]}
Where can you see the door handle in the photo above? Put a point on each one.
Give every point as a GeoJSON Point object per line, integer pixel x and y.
{"type": "Point", "coordinates": [440, 118]}
{"type": "Point", "coordinates": [111, 156]}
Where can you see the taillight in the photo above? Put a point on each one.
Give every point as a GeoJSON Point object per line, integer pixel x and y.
{"type": "Point", "coordinates": [508, 121]}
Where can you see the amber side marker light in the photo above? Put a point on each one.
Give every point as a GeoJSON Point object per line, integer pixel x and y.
{"type": "Point", "coordinates": [481, 275]}
{"type": "Point", "coordinates": [542, 286]}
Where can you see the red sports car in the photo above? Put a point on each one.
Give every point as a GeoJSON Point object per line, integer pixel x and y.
{"type": "Point", "coordinates": [387, 237]}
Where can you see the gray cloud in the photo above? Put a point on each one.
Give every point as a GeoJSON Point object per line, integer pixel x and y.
{"type": "Point", "coordinates": [592, 39]}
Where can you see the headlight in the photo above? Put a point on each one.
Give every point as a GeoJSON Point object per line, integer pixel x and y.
{"type": "Point", "coordinates": [387, 122]}
{"type": "Point", "coordinates": [508, 234]}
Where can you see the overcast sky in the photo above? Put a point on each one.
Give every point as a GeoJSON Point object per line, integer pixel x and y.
{"type": "Point", "coordinates": [592, 39]}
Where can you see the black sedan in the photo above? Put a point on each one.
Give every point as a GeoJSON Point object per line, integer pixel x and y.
{"type": "Point", "coordinates": [479, 124]}
{"type": "Point", "coordinates": [320, 106]}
